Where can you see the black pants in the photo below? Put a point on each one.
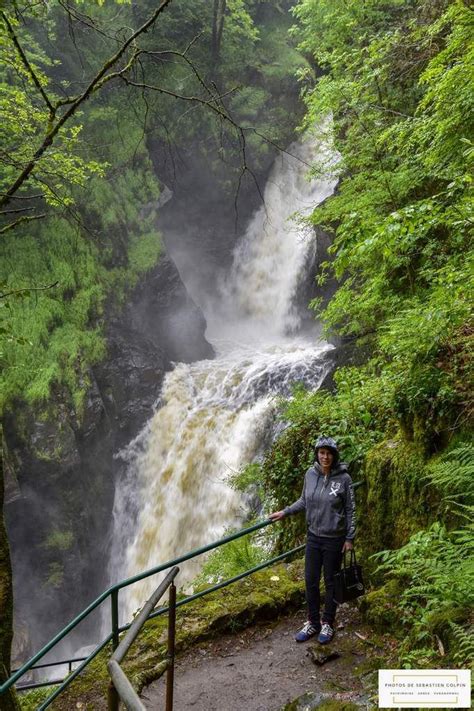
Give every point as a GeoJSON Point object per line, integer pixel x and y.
{"type": "Point", "coordinates": [322, 554]}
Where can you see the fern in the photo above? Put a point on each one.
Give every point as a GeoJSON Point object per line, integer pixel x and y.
{"type": "Point", "coordinates": [437, 568]}
{"type": "Point", "coordinates": [464, 654]}
{"type": "Point", "coordinates": [453, 474]}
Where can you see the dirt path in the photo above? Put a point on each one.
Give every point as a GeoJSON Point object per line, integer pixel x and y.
{"type": "Point", "coordinates": [263, 668]}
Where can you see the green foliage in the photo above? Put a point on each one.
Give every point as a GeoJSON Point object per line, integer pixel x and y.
{"type": "Point", "coordinates": [52, 336]}
{"type": "Point", "coordinates": [395, 77]}
{"type": "Point", "coordinates": [437, 569]}
{"type": "Point", "coordinates": [248, 480]}
{"type": "Point", "coordinates": [254, 70]}
{"type": "Point", "coordinates": [396, 82]}
{"type": "Point", "coordinates": [32, 700]}
{"type": "Point", "coordinates": [357, 415]}
{"type": "Point", "coordinates": [247, 477]}
{"type": "Point", "coordinates": [453, 473]}
{"type": "Point", "coordinates": [395, 501]}
{"type": "Point", "coordinates": [25, 120]}
{"type": "Point", "coordinates": [464, 651]}
{"type": "Point", "coordinates": [233, 558]}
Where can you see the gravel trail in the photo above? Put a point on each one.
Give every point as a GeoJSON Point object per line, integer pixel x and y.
{"type": "Point", "coordinates": [262, 668]}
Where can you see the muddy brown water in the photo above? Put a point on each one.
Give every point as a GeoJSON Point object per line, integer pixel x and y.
{"type": "Point", "coordinates": [263, 668]}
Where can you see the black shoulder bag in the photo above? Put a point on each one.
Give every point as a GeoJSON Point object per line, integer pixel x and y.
{"type": "Point", "coordinates": [348, 582]}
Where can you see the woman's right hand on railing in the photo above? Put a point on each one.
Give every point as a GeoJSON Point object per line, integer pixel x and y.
{"type": "Point", "coordinates": [277, 515]}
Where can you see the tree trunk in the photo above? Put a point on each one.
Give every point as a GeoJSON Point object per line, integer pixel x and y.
{"type": "Point", "coordinates": [217, 29]}
{"type": "Point", "coordinates": [8, 700]}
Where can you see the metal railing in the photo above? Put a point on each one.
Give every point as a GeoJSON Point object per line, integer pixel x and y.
{"type": "Point", "coordinates": [120, 686]}
{"type": "Point", "coordinates": [38, 684]}
{"type": "Point", "coordinates": [113, 593]}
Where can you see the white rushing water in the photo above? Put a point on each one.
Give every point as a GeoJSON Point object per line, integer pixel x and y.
{"type": "Point", "coordinates": [214, 415]}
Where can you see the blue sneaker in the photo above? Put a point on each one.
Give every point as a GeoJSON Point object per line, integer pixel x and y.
{"type": "Point", "coordinates": [307, 631]}
{"type": "Point", "coordinates": [326, 634]}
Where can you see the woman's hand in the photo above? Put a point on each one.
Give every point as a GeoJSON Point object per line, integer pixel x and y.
{"type": "Point", "coordinates": [277, 515]}
{"type": "Point", "coordinates": [348, 546]}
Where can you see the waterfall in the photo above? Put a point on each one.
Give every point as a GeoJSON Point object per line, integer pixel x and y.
{"type": "Point", "coordinates": [257, 299]}
{"type": "Point", "coordinates": [215, 415]}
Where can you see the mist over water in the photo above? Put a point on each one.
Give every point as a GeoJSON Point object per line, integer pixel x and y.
{"type": "Point", "coordinates": [257, 299]}
{"type": "Point", "coordinates": [217, 415]}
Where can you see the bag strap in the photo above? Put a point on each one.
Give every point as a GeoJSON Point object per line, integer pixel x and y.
{"type": "Point", "coordinates": [352, 558]}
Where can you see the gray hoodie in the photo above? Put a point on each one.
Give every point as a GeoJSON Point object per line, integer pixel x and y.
{"type": "Point", "coordinates": [328, 501]}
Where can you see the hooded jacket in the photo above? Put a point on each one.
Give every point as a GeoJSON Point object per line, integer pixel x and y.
{"type": "Point", "coordinates": [328, 501]}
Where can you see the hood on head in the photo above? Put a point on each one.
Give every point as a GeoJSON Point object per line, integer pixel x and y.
{"type": "Point", "coordinates": [328, 443]}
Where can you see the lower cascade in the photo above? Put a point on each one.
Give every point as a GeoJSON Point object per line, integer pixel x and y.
{"type": "Point", "coordinates": [215, 416]}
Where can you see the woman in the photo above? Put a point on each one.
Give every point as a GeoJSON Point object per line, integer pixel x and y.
{"type": "Point", "coordinates": [328, 499]}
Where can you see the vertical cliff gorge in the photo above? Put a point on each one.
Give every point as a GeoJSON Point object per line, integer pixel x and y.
{"type": "Point", "coordinates": [61, 468]}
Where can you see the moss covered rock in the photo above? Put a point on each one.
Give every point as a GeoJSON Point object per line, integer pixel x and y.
{"type": "Point", "coordinates": [379, 607]}
{"type": "Point", "coordinates": [397, 502]}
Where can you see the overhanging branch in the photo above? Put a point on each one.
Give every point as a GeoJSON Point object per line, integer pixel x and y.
{"type": "Point", "coordinates": [28, 289]}
{"type": "Point", "coordinates": [28, 66]}
{"type": "Point", "coordinates": [94, 84]}
{"type": "Point", "coordinates": [25, 218]}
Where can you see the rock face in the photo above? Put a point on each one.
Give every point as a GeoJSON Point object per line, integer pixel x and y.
{"type": "Point", "coordinates": [61, 469]}
{"type": "Point", "coordinates": [160, 325]}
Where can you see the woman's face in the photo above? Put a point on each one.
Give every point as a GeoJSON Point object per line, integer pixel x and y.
{"type": "Point", "coordinates": [325, 458]}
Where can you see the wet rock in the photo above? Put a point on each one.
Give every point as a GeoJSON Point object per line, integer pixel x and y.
{"type": "Point", "coordinates": [345, 353]}
{"type": "Point", "coordinates": [163, 312]}
{"type": "Point", "coordinates": [128, 382]}
{"type": "Point", "coordinates": [321, 702]}
{"type": "Point", "coordinates": [322, 656]}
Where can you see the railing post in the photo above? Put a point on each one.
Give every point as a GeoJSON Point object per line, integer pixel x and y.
{"type": "Point", "coordinates": [113, 700]}
{"type": "Point", "coordinates": [171, 647]}
{"type": "Point", "coordinates": [115, 618]}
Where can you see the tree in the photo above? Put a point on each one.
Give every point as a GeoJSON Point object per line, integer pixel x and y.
{"type": "Point", "coordinates": [217, 27]}
{"type": "Point", "coordinates": [53, 115]}
{"type": "Point", "coordinates": [9, 702]}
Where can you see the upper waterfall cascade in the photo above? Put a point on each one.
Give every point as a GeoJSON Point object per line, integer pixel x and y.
{"type": "Point", "coordinates": [215, 415]}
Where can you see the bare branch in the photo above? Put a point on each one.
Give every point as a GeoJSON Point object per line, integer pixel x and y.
{"type": "Point", "coordinates": [83, 19]}
{"type": "Point", "coordinates": [28, 288]}
{"type": "Point", "coordinates": [190, 44]}
{"type": "Point", "coordinates": [186, 59]}
{"type": "Point", "coordinates": [93, 85]}
{"type": "Point", "coordinates": [211, 103]}
{"type": "Point", "coordinates": [245, 169]}
{"type": "Point", "coordinates": [26, 218]}
{"type": "Point", "coordinates": [275, 145]}
{"type": "Point", "coordinates": [20, 209]}
{"type": "Point", "coordinates": [24, 197]}
{"type": "Point", "coordinates": [28, 66]}
{"type": "Point", "coordinates": [115, 75]}
{"type": "Point", "coordinates": [215, 104]}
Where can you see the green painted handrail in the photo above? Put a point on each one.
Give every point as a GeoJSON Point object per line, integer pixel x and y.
{"type": "Point", "coordinates": [114, 589]}
{"type": "Point", "coordinates": [162, 611]}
